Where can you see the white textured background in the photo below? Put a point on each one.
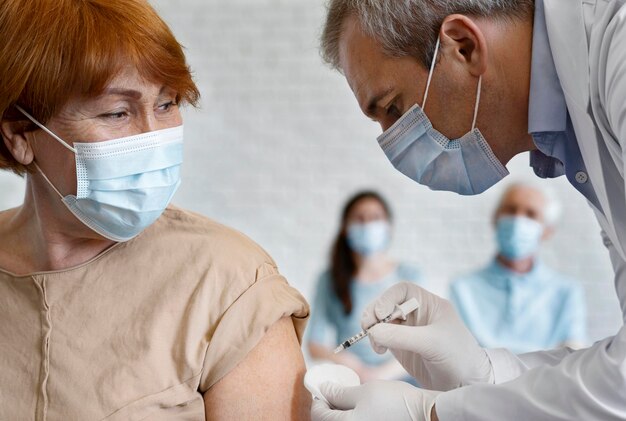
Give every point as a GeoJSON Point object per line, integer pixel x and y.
{"type": "Point", "coordinates": [279, 144]}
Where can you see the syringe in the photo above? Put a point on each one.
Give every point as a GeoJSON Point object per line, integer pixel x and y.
{"type": "Point", "coordinates": [400, 312]}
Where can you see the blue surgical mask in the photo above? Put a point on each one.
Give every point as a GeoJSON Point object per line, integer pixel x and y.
{"type": "Point", "coordinates": [369, 238]}
{"type": "Point", "coordinates": [123, 185]}
{"type": "Point", "coordinates": [466, 166]}
{"type": "Point", "coordinates": [518, 237]}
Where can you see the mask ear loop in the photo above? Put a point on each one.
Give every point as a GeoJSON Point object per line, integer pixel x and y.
{"type": "Point", "coordinates": [430, 77]}
{"type": "Point", "coordinates": [44, 128]}
{"type": "Point", "coordinates": [61, 141]}
{"type": "Point", "coordinates": [48, 180]}
{"type": "Point", "coordinates": [480, 84]}
{"type": "Point", "coordinates": [430, 74]}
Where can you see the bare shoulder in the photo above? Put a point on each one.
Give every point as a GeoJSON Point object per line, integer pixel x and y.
{"type": "Point", "coordinates": [267, 384]}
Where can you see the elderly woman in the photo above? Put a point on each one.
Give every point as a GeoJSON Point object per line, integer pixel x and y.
{"type": "Point", "coordinates": [113, 304]}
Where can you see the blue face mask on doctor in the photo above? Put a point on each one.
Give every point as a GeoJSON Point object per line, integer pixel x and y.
{"type": "Point", "coordinates": [466, 166]}
{"type": "Point", "coordinates": [123, 185]}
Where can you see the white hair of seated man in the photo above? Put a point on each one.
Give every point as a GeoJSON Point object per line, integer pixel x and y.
{"type": "Point", "coordinates": [553, 208]}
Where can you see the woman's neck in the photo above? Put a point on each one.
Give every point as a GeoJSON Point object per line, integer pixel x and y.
{"type": "Point", "coordinates": [44, 236]}
{"type": "Point", "coordinates": [373, 268]}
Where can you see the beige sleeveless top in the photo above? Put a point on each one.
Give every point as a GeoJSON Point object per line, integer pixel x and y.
{"type": "Point", "coordinates": [143, 329]}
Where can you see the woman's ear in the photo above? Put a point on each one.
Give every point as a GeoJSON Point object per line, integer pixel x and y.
{"type": "Point", "coordinates": [464, 41]}
{"type": "Point", "coordinates": [14, 135]}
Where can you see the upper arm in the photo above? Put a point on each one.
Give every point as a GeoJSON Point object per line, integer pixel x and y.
{"type": "Point", "coordinates": [267, 384]}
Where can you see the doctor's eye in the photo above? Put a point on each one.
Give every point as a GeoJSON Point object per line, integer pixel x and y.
{"type": "Point", "coordinates": [393, 111]}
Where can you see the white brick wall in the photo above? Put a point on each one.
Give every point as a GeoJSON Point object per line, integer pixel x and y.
{"type": "Point", "coordinates": [279, 143]}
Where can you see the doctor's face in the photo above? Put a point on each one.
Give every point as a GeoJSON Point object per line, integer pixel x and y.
{"type": "Point", "coordinates": [386, 87]}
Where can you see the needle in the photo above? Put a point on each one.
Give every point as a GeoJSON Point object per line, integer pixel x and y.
{"type": "Point", "coordinates": [400, 312]}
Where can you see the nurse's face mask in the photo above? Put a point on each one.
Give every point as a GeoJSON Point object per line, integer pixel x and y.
{"type": "Point", "coordinates": [123, 185]}
{"type": "Point", "coordinates": [368, 239]}
{"type": "Point", "coordinates": [466, 166]}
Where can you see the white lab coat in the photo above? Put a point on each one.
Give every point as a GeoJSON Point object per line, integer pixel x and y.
{"type": "Point", "coordinates": [588, 42]}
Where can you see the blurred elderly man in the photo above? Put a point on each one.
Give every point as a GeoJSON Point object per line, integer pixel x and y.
{"type": "Point", "coordinates": [516, 302]}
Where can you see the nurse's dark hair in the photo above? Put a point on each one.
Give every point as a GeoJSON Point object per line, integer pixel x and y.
{"type": "Point", "coordinates": [55, 50]}
{"type": "Point", "coordinates": [343, 265]}
{"type": "Point", "coordinates": [408, 28]}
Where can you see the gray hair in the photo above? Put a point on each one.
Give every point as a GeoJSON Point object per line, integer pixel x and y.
{"type": "Point", "coordinates": [408, 28]}
{"type": "Point", "coordinates": [552, 210]}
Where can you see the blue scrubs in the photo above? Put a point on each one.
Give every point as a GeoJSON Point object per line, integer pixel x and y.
{"type": "Point", "coordinates": [329, 325]}
{"type": "Point", "coordinates": [538, 310]}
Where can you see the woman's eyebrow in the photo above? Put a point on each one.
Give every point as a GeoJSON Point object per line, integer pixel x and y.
{"type": "Point", "coordinates": [131, 93]}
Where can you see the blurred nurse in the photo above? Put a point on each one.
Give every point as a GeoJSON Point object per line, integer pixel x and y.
{"type": "Point", "coordinates": [517, 302]}
{"type": "Point", "coordinates": [360, 270]}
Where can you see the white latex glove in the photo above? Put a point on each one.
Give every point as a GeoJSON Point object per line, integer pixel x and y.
{"type": "Point", "coordinates": [433, 344]}
{"type": "Point", "coordinates": [374, 401]}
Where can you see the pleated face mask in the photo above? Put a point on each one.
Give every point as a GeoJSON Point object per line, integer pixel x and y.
{"type": "Point", "coordinates": [123, 185]}
{"type": "Point", "coordinates": [466, 166]}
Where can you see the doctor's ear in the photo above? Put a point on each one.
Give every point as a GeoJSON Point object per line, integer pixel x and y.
{"type": "Point", "coordinates": [17, 141]}
{"type": "Point", "coordinates": [464, 41]}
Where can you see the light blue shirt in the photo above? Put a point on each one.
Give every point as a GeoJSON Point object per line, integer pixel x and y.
{"type": "Point", "coordinates": [329, 325]}
{"type": "Point", "coordinates": [538, 310]}
{"type": "Point", "coordinates": [549, 122]}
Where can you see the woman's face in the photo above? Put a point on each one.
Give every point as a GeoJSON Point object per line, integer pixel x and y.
{"type": "Point", "coordinates": [129, 106]}
{"type": "Point", "coordinates": [366, 210]}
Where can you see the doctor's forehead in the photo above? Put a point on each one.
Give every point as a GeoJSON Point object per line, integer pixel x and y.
{"type": "Point", "coordinates": [366, 67]}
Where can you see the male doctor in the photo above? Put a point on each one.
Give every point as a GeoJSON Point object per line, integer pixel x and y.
{"type": "Point", "coordinates": [459, 88]}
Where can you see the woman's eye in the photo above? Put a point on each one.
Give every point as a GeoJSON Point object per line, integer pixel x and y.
{"type": "Point", "coordinates": [167, 106]}
{"type": "Point", "coordinates": [115, 115]}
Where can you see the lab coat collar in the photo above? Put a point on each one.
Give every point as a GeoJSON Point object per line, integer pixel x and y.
{"type": "Point", "coordinates": [547, 107]}
{"type": "Point", "coordinates": [566, 29]}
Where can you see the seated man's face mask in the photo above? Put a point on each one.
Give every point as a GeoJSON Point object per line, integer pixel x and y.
{"type": "Point", "coordinates": [123, 185]}
{"type": "Point", "coordinates": [466, 166]}
{"type": "Point", "coordinates": [518, 237]}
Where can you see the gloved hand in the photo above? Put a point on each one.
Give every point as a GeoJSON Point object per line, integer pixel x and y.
{"type": "Point", "coordinates": [374, 401]}
{"type": "Point", "coordinates": [433, 344]}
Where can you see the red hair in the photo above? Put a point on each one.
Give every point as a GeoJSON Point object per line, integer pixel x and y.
{"type": "Point", "coordinates": [55, 50]}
